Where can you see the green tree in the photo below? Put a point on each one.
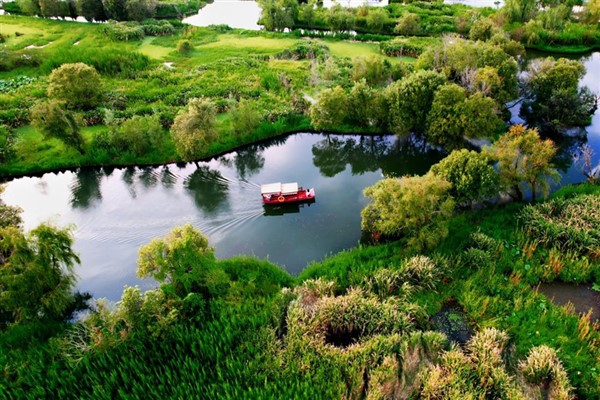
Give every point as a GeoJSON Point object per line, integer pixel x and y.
{"type": "Point", "coordinates": [29, 7]}
{"type": "Point", "coordinates": [366, 106]}
{"type": "Point", "coordinates": [445, 119]}
{"type": "Point", "coordinates": [417, 208]}
{"type": "Point", "coordinates": [54, 8]}
{"type": "Point", "coordinates": [408, 24]}
{"type": "Point", "coordinates": [482, 29]}
{"type": "Point", "coordinates": [592, 12]}
{"type": "Point", "coordinates": [376, 19]}
{"type": "Point", "coordinates": [138, 10]}
{"type": "Point", "coordinates": [278, 14]}
{"type": "Point", "coordinates": [140, 134]}
{"type": "Point", "coordinates": [471, 175]}
{"type": "Point", "coordinates": [479, 117]}
{"type": "Point", "coordinates": [410, 100]}
{"type": "Point", "coordinates": [51, 118]}
{"type": "Point", "coordinates": [115, 9]}
{"type": "Point", "coordinates": [340, 19]}
{"type": "Point", "coordinates": [78, 85]}
{"type": "Point", "coordinates": [524, 157]}
{"type": "Point", "coordinates": [554, 100]}
{"type": "Point", "coordinates": [374, 69]}
{"type": "Point", "coordinates": [36, 273]}
{"type": "Point", "coordinates": [182, 258]}
{"type": "Point", "coordinates": [520, 10]}
{"type": "Point", "coordinates": [9, 215]}
{"type": "Point", "coordinates": [307, 13]}
{"type": "Point", "coordinates": [91, 10]}
{"type": "Point", "coordinates": [330, 111]}
{"type": "Point", "coordinates": [194, 129]}
{"type": "Point", "coordinates": [245, 117]}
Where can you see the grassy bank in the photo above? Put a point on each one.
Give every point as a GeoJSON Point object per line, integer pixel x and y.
{"type": "Point", "coordinates": [243, 341]}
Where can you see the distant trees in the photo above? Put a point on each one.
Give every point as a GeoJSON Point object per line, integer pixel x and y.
{"type": "Point", "coordinates": [194, 129]}
{"type": "Point", "coordinates": [91, 10]}
{"type": "Point", "coordinates": [77, 85]}
{"type": "Point", "coordinates": [413, 207]}
{"type": "Point", "coordinates": [278, 14]}
{"type": "Point", "coordinates": [54, 121]}
{"type": "Point", "coordinates": [524, 157]}
{"type": "Point", "coordinates": [554, 100]}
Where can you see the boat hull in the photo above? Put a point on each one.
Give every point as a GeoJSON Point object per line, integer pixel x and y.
{"type": "Point", "coordinates": [301, 196]}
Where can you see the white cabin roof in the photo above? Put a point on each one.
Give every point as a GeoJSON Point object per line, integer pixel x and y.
{"type": "Point", "coordinates": [279, 188]}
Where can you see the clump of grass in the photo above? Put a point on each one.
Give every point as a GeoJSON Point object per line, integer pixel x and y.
{"type": "Point", "coordinates": [567, 224]}
{"type": "Point", "coordinates": [545, 371]}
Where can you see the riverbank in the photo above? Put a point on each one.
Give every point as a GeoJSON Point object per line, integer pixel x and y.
{"type": "Point", "coordinates": [484, 269]}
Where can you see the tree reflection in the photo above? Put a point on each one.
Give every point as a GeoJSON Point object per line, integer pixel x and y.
{"type": "Point", "coordinates": [208, 188]}
{"type": "Point", "coordinates": [247, 161]}
{"type": "Point", "coordinates": [401, 156]}
{"type": "Point", "coordinates": [129, 178]}
{"type": "Point", "coordinates": [85, 189]}
{"type": "Point", "coordinates": [329, 156]}
{"type": "Point", "coordinates": [167, 178]}
{"type": "Point", "coordinates": [148, 176]}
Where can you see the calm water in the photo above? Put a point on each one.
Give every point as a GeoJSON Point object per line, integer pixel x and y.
{"type": "Point", "coordinates": [117, 211]}
{"type": "Point", "coordinates": [583, 297]}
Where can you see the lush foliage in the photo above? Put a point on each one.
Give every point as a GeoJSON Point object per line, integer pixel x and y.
{"type": "Point", "coordinates": [54, 121]}
{"type": "Point", "coordinates": [523, 156]}
{"type": "Point", "coordinates": [470, 174]}
{"type": "Point", "coordinates": [193, 129]}
{"type": "Point", "coordinates": [416, 208]}
{"type": "Point", "coordinates": [77, 85]}
{"type": "Point", "coordinates": [554, 100]}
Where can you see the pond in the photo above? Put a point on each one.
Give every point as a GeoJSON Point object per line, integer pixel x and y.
{"type": "Point", "coordinates": [116, 211]}
{"type": "Point", "coordinates": [583, 297]}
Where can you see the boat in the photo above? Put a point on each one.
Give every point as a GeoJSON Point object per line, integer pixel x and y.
{"type": "Point", "coordinates": [281, 193]}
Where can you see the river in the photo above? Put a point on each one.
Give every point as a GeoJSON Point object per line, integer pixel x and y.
{"type": "Point", "coordinates": [116, 211]}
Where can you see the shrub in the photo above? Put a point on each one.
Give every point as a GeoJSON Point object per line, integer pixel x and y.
{"type": "Point", "coordinates": [305, 49]}
{"type": "Point", "coordinates": [415, 208]}
{"type": "Point", "coordinates": [77, 85]}
{"type": "Point", "coordinates": [153, 27]}
{"type": "Point", "coordinates": [124, 31]}
{"type": "Point", "coordinates": [400, 47]}
{"type": "Point", "coordinates": [184, 46]}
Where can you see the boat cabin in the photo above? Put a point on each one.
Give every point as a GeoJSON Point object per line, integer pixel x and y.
{"type": "Point", "coordinates": [275, 193]}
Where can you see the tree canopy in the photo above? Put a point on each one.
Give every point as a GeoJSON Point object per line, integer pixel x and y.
{"type": "Point", "coordinates": [471, 175]}
{"type": "Point", "coordinates": [413, 207]}
{"type": "Point", "coordinates": [78, 85]}
{"type": "Point", "coordinates": [523, 156]}
{"type": "Point", "coordinates": [194, 129]}
{"type": "Point", "coordinates": [51, 118]}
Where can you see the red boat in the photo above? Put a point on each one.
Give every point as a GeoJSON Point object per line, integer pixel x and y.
{"type": "Point", "coordinates": [278, 193]}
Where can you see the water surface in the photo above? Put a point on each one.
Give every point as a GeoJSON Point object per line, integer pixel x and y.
{"type": "Point", "coordinates": [116, 211]}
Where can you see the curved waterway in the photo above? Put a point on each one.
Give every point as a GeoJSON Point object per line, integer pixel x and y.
{"type": "Point", "coordinates": [116, 211]}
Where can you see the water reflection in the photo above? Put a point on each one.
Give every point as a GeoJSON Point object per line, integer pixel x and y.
{"type": "Point", "coordinates": [247, 162]}
{"type": "Point", "coordinates": [208, 189]}
{"type": "Point", "coordinates": [85, 189]}
{"type": "Point", "coordinates": [394, 156]}
{"type": "Point", "coordinates": [282, 209]}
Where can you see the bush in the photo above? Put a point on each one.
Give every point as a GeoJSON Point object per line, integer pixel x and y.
{"type": "Point", "coordinates": [77, 85]}
{"type": "Point", "coordinates": [305, 49]}
{"type": "Point", "coordinates": [399, 48]}
{"type": "Point", "coordinates": [184, 46]}
{"type": "Point", "coordinates": [153, 27]}
{"type": "Point", "coordinates": [124, 31]}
